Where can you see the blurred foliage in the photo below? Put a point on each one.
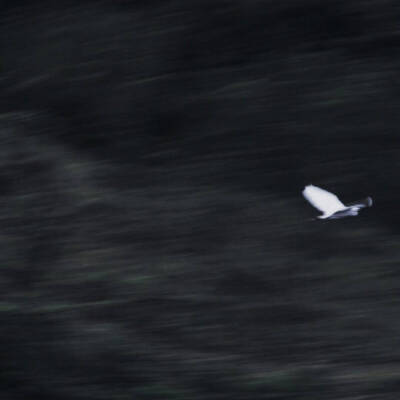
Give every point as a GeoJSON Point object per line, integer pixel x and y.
{"type": "Point", "coordinates": [154, 242]}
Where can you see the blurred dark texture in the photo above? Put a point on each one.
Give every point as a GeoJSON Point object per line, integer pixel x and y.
{"type": "Point", "coordinates": [154, 243]}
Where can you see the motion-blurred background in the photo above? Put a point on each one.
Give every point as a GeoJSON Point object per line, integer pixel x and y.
{"type": "Point", "coordinates": [154, 243]}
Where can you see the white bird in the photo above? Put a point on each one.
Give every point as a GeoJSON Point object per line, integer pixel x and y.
{"type": "Point", "coordinates": [330, 205]}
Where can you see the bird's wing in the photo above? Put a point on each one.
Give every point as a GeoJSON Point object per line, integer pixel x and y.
{"type": "Point", "coordinates": [323, 200]}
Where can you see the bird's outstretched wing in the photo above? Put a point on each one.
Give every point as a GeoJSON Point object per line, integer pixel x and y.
{"type": "Point", "coordinates": [323, 200]}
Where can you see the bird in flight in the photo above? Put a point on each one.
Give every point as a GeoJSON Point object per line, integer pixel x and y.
{"type": "Point", "coordinates": [330, 205]}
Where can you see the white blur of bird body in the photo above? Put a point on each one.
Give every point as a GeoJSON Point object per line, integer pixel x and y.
{"type": "Point", "coordinates": [330, 205]}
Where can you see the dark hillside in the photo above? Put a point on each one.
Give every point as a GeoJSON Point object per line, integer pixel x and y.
{"type": "Point", "coordinates": [154, 241]}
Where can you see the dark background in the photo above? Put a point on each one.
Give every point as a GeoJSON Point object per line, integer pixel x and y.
{"type": "Point", "coordinates": [154, 243]}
